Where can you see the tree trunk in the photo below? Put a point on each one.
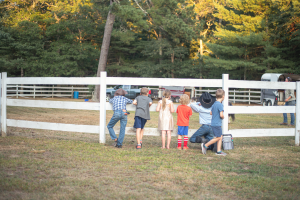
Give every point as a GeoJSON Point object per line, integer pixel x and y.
{"type": "Point", "coordinates": [104, 49]}
{"type": "Point", "coordinates": [201, 48]}
{"type": "Point", "coordinates": [201, 56]}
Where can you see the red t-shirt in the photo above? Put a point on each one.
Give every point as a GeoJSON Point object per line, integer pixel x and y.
{"type": "Point", "coordinates": [183, 115]}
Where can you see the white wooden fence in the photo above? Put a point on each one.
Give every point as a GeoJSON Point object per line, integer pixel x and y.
{"type": "Point", "coordinates": [46, 91]}
{"type": "Point", "coordinates": [225, 83]}
{"type": "Point", "coordinates": [35, 91]}
{"type": "Point", "coordinates": [244, 95]}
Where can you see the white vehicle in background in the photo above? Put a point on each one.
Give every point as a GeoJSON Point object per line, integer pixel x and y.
{"type": "Point", "coordinates": [271, 97]}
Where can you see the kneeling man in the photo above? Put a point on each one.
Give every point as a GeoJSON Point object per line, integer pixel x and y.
{"type": "Point", "coordinates": [203, 107]}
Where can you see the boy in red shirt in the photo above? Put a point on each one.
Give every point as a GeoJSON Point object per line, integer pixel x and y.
{"type": "Point", "coordinates": [183, 116]}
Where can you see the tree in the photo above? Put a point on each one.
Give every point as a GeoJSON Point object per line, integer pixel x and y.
{"type": "Point", "coordinates": [105, 48]}
{"type": "Point", "coordinates": [241, 44]}
{"type": "Point", "coordinates": [284, 26]}
{"type": "Point", "coordinates": [166, 51]}
{"type": "Point", "coordinates": [50, 38]}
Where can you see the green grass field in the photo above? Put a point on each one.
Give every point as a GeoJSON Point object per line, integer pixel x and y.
{"type": "Point", "coordinates": [40, 164]}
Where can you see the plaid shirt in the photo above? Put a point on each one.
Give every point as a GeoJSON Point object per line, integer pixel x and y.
{"type": "Point", "coordinates": [119, 102]}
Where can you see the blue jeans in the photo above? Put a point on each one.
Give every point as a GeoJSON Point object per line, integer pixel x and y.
{"type": "Point", "coordinates": [205, 130]}
{"type": "Point", "coordinates": [118, 115]}
{"type": "Point", "coordinates": [289, 103]}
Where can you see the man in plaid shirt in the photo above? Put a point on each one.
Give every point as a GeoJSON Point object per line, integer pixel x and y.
{"type": "Point", "coordinates": [120, 114]}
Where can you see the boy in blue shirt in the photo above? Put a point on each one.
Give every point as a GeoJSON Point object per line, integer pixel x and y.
{"type": "Point", "coordinates": [217, 112]}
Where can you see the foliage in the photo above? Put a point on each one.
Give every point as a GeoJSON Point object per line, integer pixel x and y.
{"type": "Point", "coordinates": [153, 38]}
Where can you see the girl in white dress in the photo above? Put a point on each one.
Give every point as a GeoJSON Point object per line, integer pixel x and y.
{"type": "Point", "coordinates": [165, 120]}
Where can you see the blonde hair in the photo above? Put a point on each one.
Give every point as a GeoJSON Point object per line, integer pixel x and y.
{"type": "Point", "coordinates": [144, 91]}
{"type": "Point", "coordinates": [166, 95]}
{"type": "Point", "coordinates": [220, 93]}
{"type": "Point", "coordinates": [184, 99]}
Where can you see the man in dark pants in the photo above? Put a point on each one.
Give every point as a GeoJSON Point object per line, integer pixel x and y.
{"type": "Point", "coordinates": [290, 100]}
{"type": "Point", "coordinates": [203, 107]}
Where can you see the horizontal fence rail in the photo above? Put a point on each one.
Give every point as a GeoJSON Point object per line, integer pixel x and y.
{"type": "Point", "coordinates": [53, 126]}
{"type": "Point", "coordinates": [103, 81]}
{"type": "Point", "coordinates": [131, 107]}
{"type": "Point", "coordinates": [54, 80]}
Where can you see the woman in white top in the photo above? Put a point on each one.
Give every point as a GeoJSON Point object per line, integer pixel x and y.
{"type": "Point", "coordinates": [165, 120]}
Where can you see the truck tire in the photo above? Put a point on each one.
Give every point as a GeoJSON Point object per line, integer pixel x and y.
{"type": "Point", "coordinates": [264, 103]}
{"type": "Point", "coordinates": [177, 99]}
{"type": "Point", "coordinates": [108, 97]}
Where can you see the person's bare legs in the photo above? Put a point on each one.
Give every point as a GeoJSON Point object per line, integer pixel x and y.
{"type": "Point", "coordinates": [138, 135]}
{"type": "Point", "coordinates": [213, 141]}
{"type": "Point", "coordinates": [163, 139]}
{"type": "Point", "coordinates": [169, 139]}
{"type": "Point", "coordinates": [141, 135]}
{"type": "Point", "coordinates": [219, 144]}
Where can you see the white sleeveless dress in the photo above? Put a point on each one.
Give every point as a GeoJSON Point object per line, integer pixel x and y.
{"type": "Point", "coordinates": [165, 120]}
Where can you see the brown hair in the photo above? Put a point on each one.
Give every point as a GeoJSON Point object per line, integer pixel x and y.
{"type": "Point", "coordinates": [184, 99]}
{"type": "Point", "coordinates": [166, 95]}
{"type": "Point", "coordinates": [144, 91]}
{"type": "Point", "coordinates": [220, 93]}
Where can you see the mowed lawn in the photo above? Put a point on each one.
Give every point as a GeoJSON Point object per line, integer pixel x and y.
{"type": "Point", "coordinates": [40, 164]}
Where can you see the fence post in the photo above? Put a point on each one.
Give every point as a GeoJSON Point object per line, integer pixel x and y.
{"type": "Point", "coordinates": [34, 91]}
{"type": "Point", "coordinates": [225, 78]}
{"type": "Point", "coordinates": [297, 130]}
{"type": "Point", "coordinates": [52, 90]}
{"type": "Point", "coordinates": [249, 96]}
{"type": "Point", "coordinates": [234, 96]}
{"type": "Point", "coordinates": [72, 95]}
{"type": "Point", "coordinates": [17, 91]}
{"type": "Point", "coordinates": [3, 105]}
{"type": "Point", "coordinates": [102, 106]}
{"type": "Point", "coordinates": [193, 92]}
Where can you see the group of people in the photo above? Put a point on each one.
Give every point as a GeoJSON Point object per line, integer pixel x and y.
{"type": "Point", "coordinates": [210, 111]}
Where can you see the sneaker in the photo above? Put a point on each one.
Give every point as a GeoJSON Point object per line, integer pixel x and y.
{"type": "Point", "coordinates": [203, 148]}
{"type": "Point", "coordinates": [119, 146]}
{"type": "Point", "coordinates": [185, 148]}
{"type": "Point", "coordinates": [141, 143]}
{"type": "Point", "coordinates": [179, 148]}
{"type": "Point", "coordinates": [138, 147]}
{"type": "Point", "coordinates": [115, 143]}
{"type": "Point", "coordinates": [221, 154]}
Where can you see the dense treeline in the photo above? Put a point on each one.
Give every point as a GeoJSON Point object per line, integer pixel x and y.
{"type": "Point", "coordinates": [151, 38]}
